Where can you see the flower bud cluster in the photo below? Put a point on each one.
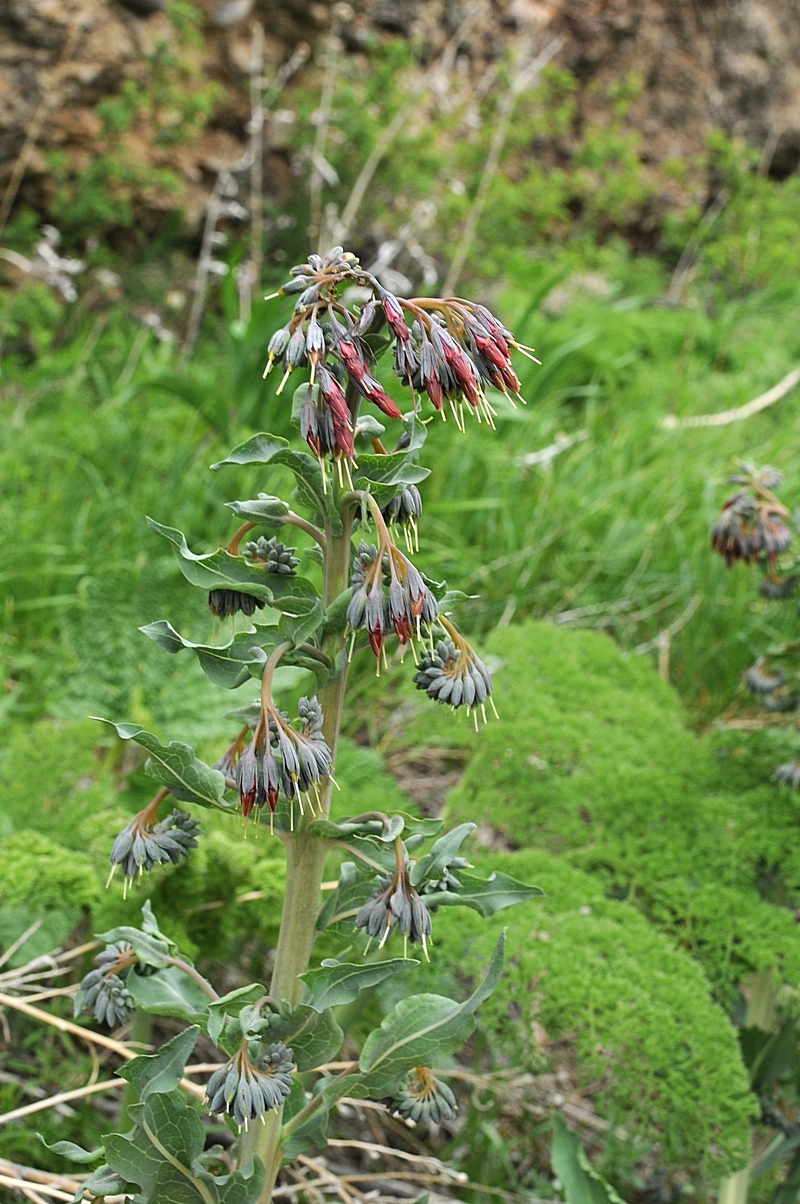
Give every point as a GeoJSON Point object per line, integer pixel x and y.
{"type": "Point", "coordinates": [446, 880]}
{"type": "Point", "coordinates": [247, 1089]}
{"type": "Point", "coordinates": [226, 602]}
{"type": "Point", "coordinates": [424, 1099]}
{"type": "Point", "coordinates": [103, 992]}
{"type": "Point", "coordinates": [404, 606]}
{"type": "Point", "coordinates": [275, 557]}
{"type": "Point", "coordinates": [279, 759]}
{"type": "Point", "coordinates": [395, 904]}
{"type": "Point", "coordinates": [454, 675]}
{"type": "Point", "coordinates": [143, 844]}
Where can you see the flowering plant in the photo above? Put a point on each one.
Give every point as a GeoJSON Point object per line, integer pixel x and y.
{"type": "Point", "coordinates": [754, 528]}
{"type": "Point", "coordinates": [274, 1085]}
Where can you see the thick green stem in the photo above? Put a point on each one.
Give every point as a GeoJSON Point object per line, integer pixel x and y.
{"type": "Point", "coordinates": [305, 862]}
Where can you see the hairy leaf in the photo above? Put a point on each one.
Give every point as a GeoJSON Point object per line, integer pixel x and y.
{"type": "Point", "coordinates": [442, 853]}
{"type": "Point", "coordinates": [265, 510]}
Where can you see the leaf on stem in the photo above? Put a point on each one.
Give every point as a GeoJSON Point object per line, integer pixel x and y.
{"type": "Point", "coordinates": [420, 1030]}
{"type": "Point", "coordinates": [229, 1005]}
{"type": "Point", "coordinates": [169, 992]}
{"type": "Point", "coordinates": [175, 766]}
{"type": "Point", "coordinates": [311, 489]}
{"type": "Point", "coordinates": [335, 983]}
{"type": "Point", "coordinates": [152, 1074]}
{"type": "Point", "coordinates": [484, 895]}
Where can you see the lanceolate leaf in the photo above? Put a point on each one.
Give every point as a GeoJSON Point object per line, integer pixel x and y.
{"type": "Point", "coordinates": [73, 1152]}
{"type": "Point", "coordinates": [484, 895]}
{"type": "Point", "coordinates": [420, 1030]}
{"type": "Point", "coordinates": [175, 766]}
{"type": "Point", "coordinates": [169, 992]}
{"type": "Point", "coordinates": [582, 1184]}
{"type": "Point", "coordinates": [313, 492]}
{"type": "Point", "coordinates": [151, 1074]}
{"type": "Point", "coordinates": [335, 983]}
{"type": "Point", "coordinates": [102, 1182]}
{"type": "Point", "coordinates": [440, 856]}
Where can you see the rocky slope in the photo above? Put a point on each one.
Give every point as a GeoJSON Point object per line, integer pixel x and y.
{"type": "Point", "coordinates": [703, 65]}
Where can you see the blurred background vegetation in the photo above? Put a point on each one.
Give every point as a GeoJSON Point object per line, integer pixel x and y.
{"type": "Point", "coordinates": [627, 775]}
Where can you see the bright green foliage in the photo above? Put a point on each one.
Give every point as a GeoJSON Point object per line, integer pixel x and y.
{"type": "Point", "coordinates": [592, 760]}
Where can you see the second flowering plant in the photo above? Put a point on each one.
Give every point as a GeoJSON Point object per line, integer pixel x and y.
{"type": "Point", "coordinates": [355, 501]}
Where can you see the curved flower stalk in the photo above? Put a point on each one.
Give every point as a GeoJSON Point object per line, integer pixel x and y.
{"type": "Point", "coordinates": [312, 607]}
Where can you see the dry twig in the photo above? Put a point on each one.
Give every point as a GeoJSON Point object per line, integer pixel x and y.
{"type": "Point", "coordinates": [724, 417]}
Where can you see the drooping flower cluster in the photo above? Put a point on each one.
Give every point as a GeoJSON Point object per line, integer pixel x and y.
{"type": "Point", "coordinates": [396, 904]}
{"type": "Point", "coordinates": [454, 675]}
{"type": "Point", "coordinates": [405, 510]}
{"type": "Point", "coordinates": [424, 1099]}
{"type": "Point", "coordinates": [280, 759]}
{"type": "Point", "coordinates": [450, 349]}
{"type": "Point", "coordinates": [102, 991]}
{"type": "Point", "coordinates": [752, 524]}
{"type": "Point", "coordinates": [144, 843]}
{"type": "Point", "coordinates": [226, 602]}
{"type": "Point", "coordinates": [247, 1088]}
{"type": "Point", "coordinates": [388, 593]}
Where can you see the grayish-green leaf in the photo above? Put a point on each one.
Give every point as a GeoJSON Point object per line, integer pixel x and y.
{"type": "Point", "coordinates": [350, 895]}
{"type": "Point", "coordinates": [335, 983]}
{"type": "Point", "coordinates": [582, 1184]}
{"type": "Point", "coordinates": [264, 510]}
{"type": "Point", "coordinates": [442, 853]}
{"type": "Point", "coordinates": [311, 489]}
{"type": "Point", "coordinates": [169, 992]}
{"type": "Point", "coordinates": [75, 1153]}
{"type": "Point", "coordinates": [153, 1074]}
{"type": "Point", "coordinates": [485, 895]}
{"type": "Point", "coordinates": [230, 1004]}
{"type": "Point", "coordinates": [102, 1182]}
{"type": "Point", "coordinates": [229, 665]}
{"type": "Point", "coordinates": [421, 1030]}
{"type": "Point", "coordinates": [175, 766]}
{"type": "Point", "coordinates": [314, 1037]}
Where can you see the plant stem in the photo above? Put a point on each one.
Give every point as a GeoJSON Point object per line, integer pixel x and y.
{"type": "Point", "coordinates": [305, 862]}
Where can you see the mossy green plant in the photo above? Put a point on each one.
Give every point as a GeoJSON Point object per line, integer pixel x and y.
{"type": "Point", "coordinates": [631, 1011]}
{"type": "Point", "coordinates": [593, 760]}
